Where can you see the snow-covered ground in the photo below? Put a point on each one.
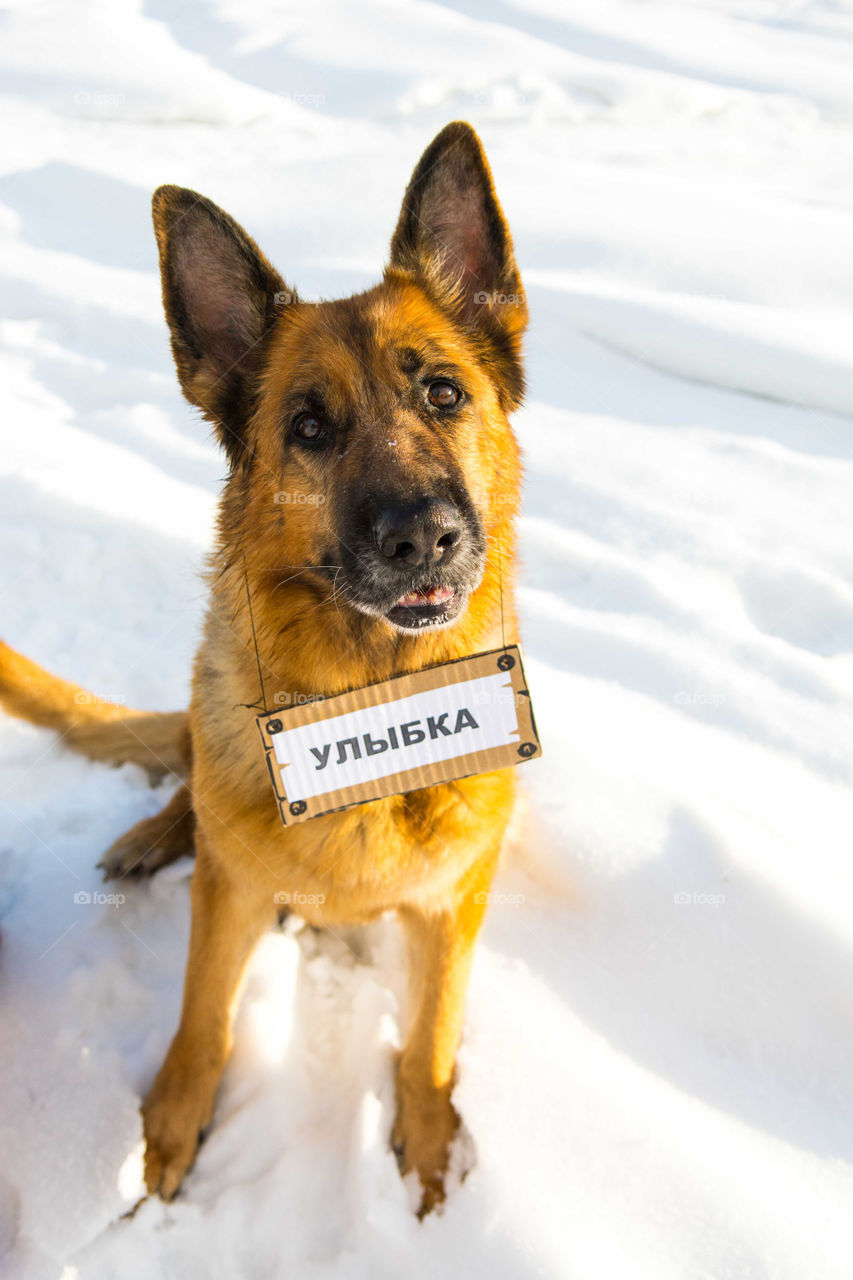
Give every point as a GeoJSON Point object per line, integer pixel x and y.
{"type": "Point", "coordinates": [658, 1062]}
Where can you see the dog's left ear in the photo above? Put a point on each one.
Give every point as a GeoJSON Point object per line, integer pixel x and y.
{"type": "Point", "coordinates": [453, 237]}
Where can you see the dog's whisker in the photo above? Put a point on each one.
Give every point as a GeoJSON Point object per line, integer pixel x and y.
{"type": "Point", "coordinates": [303, 568]}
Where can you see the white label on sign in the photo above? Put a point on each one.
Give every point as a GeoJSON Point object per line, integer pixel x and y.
{"type": "Point", "coordinates": [373, 742]}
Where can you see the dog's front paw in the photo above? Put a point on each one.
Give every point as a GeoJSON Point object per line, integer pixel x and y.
{"type": "Point", "coordinates": [173, 1116]}
{"type": "Point", "coordinates": [424, 1128]}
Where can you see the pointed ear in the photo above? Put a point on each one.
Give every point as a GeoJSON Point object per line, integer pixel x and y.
{"type": "Point", "coordinates": [453, 237]}
{"type": "Point", "coordinates": [222, 298]}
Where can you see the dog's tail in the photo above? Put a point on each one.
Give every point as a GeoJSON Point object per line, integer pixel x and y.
{"type": "Point", "coordinates": [158, 741]}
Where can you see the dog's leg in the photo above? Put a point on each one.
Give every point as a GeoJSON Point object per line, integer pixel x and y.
{"type": "Point", "coordinates": [154, 842]}
{"type": "Point", "coordinates": [440, 946]}
{"type": "Point", "coordinates": [227, 921]}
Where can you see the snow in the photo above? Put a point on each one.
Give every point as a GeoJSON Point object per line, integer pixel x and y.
{"type": "Point", "coordinates": [656, 1072]}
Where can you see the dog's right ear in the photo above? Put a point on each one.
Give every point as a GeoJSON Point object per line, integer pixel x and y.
{"type": "Point", "coordinates": [453, 237]}
{"type": "Point", "coordinates": [222, 299]}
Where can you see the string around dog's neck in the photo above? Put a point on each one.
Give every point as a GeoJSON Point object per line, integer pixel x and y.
{"type": "Point", "coordinates": [262, 703]}
{"type": "Point", "coordinates": [501, 591]}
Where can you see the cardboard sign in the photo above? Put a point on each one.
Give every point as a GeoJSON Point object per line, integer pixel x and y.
{"type": "Point", "coordinates": [450, 721]}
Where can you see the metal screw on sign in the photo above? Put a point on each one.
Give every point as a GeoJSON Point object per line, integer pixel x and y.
{"type": "Point", "coordinates": [274, 726]}
{"type": "Point", "coordinates": [527, 749]}
{"type": "Point", "coordinates": [506, 662]}
{"type": "Point", "coordinates": [298, 806]}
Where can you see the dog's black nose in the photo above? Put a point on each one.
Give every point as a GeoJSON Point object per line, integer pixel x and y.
{"type": "Point", "coordinates": [421, 533]}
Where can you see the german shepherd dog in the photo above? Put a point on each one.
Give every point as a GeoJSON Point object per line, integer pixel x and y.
{"type": "Point", "coordinates": [384, 418]}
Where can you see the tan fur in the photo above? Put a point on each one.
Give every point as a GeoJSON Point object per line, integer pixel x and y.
{"type": "Point", "coordinates": [100, 730]}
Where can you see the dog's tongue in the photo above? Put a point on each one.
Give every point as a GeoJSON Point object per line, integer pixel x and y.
{"type": "Point", "coordinates": [433, 595]}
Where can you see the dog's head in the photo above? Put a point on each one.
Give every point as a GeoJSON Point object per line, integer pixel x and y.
{"type": "Point", "coordinates": [370, 452]}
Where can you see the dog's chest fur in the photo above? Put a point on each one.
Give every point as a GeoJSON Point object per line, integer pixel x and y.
{"type": "Point", "coordinates": [346, 866]}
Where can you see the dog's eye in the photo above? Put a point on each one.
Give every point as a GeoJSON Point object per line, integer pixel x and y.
{"type": "Point", "coordinates": [443, 394]}
{"type": "Point", "coordinates": [307, 426]}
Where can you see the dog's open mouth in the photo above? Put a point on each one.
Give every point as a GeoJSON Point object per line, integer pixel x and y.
{"type": "Point", "coordinates": [428, 607]}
